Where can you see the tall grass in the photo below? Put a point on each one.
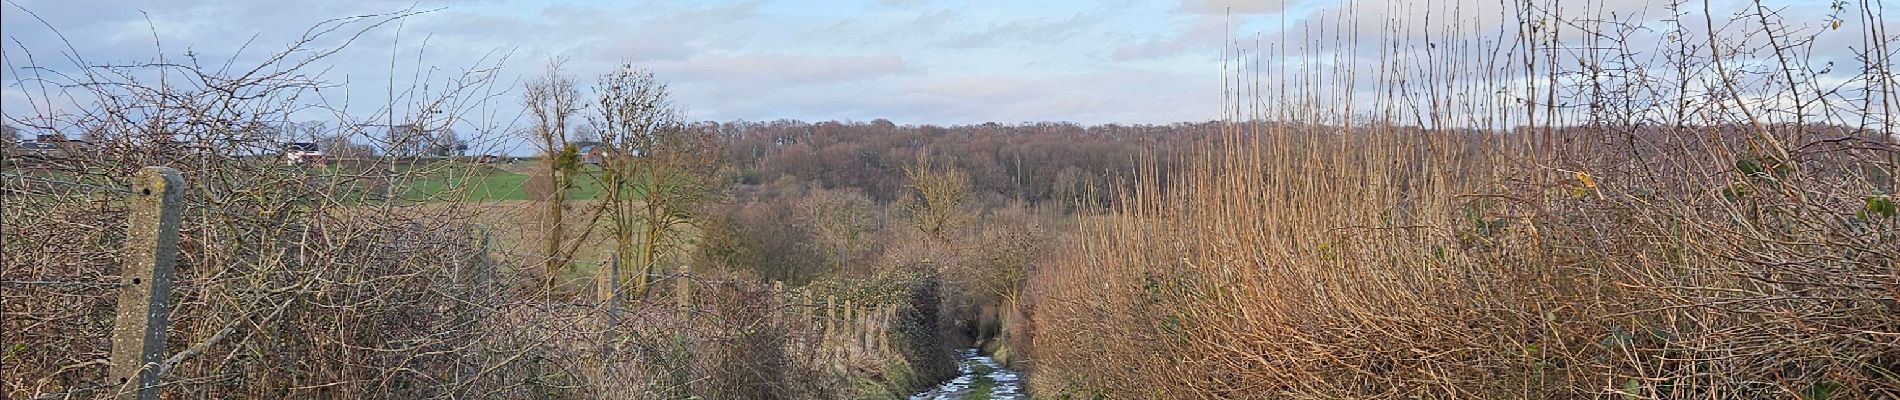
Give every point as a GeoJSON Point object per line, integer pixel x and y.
{"type": "Point", "coordinates": [1572, 204]}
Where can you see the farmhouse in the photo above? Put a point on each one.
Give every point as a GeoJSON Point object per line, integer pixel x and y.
{"type": "Point", "coordinates": [300, 153]}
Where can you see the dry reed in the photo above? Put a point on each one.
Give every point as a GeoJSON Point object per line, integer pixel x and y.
{"type": "Point", "coordinates": [1610, 227]}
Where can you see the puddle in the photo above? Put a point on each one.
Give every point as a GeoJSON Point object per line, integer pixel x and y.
{"type": "Point", "coordinates": [978, 377]}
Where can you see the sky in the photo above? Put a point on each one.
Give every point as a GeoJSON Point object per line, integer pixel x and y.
{"type": "Point", "coordinates": [908, 61]}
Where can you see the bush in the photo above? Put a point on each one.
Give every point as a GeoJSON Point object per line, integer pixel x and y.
{"type": "Point", "coordinates": [1595, 252]}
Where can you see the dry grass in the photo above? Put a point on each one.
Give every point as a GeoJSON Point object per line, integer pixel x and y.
{"type": "Point", "coordinates": [305, 282]}
{"type": "Point", "coordinates": [1586, 254]}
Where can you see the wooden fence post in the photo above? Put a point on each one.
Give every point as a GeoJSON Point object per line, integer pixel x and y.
{"type": "Point", "coordinates": [145, 287]}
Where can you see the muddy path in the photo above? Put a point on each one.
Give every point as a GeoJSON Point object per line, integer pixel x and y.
{"type": "Point", "coordinates": [978, 377]}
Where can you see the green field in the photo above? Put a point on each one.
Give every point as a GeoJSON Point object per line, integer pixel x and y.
{"type": "Point", "coordinates": [441, 181]}
{"type": "Point", "coordinates": [486, 183]}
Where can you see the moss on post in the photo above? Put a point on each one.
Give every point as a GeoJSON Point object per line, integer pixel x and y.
{"type": "Point", "coordinates": [145, 287]}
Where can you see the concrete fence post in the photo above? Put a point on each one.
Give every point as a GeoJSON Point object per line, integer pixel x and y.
{"type": "Point", "coordinates": [473, 280]}
{"type": "Point", "coordinates": [831, 324]}
{"type": "Point", "coordinates": [684, 285]}
{"type": "Point", "coordinates": [145, 287]}
{"type": "Point", "coordinates": [779, 305]}
{"type": "Point", "coordinates": [604, 280]}
{"type": "Point", "coordinates": [607, 283]}
{"type": "Point", "coordinates": [862, 340]}
{"type": "Point", "coordinates": [847, 326]}
{"type": "Point", "coordinates": [610, 293]}
{"type": "Point", "coordinates": [831, 314]}
{"type": "Point", "coordinates": [806, 304]}
{"type": "Point", "coordinates": [779, 300]}
{"type": "Point", "coordinates": [482, 272]}
{"type": "Point", "coordinates": [884, 329]}
{"type": "Point", "coordinates": [804, 319]}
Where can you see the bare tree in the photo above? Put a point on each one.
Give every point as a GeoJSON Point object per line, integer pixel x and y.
{"type": "Point", "coordinates": [551, 100]}
{"type": "Point", "coordinates": [840, 218]}
{"type": "Point", "coordinates": [303, 282]}
{"type": "Point", "coordinates": [9, 134]}
{"type": "Point", "coordinates": [295, 275]}
{"type": "Point", "coordinates": [941, 199]}
{"type": "Point", "coordinates": [586, 133]}
{"type": "Point", "coordinates": [407, 139]}
{"type": "Point", "coordinates": [336, 144]}
{"type": "Point", "coordinates": [657, 171]}
{"type": "Point", "coordinates": [445, 143]}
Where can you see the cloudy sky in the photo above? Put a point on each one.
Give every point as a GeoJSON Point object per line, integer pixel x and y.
{"type": "Point", "coordinates": [910, 61]}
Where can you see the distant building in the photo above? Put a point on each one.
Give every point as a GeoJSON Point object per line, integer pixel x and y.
{"type": "Point", "coordinates": [37, 147]}
{"type": "Point", "coordinates": [300, 153]}
{"type": "Point", "coordinates": [590, 152]}
{"type": "Point", "coordinates": [48, 148]}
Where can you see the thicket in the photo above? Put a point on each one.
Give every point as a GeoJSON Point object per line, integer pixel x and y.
{"type": "Point", "coordinates": [298, 280]}
{"type": "Point", "coordinates": [1059, 162]}
{"type": "Point", "coordinates": [1588, 205]}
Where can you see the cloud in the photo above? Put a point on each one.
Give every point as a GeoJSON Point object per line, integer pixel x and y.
{"type": "Point", "coordinates": [1016, 32]}
{"type": "Point", "coordinates": [785, 69]}
{"type": "Point", "coordinates": [1238, 7]}
{"type": "Point", "coordinates": [1203, 32]}
{"type": "Point", "coordinates": [730, 59]}
{"type": "Point", "coordinates": [1130, 61]}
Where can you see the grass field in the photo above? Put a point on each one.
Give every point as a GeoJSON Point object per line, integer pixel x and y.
{"type": "Point", "coordinates": [516, 228]}
{"type": "Point", "coordinates": [493, 183]}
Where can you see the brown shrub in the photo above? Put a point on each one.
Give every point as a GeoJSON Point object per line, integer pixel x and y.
{"type": "Point", "coordinates": [1597, 252]}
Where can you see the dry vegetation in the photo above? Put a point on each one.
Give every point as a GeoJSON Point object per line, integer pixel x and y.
{"type": "Point", "coordinates": [297, 281]}
{"type": "Point", "coordinates": [1587, 206]}
{"type": "Point", "coordinates": [1669, 224]}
